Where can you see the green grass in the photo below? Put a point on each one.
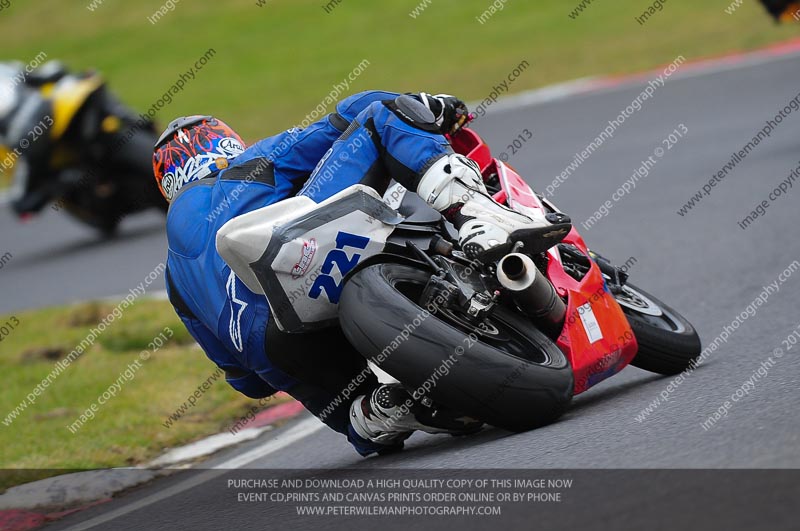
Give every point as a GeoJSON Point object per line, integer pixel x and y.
{"type": "Point", "coordinates": [128, 428]}
{"type": "Point", "coordinates": [275, 63]}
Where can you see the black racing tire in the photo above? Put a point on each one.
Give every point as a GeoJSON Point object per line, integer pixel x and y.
{"type": "Point", "coordinates": [513, 377]}
{"type": "Point", "coordinates": [668, 343]}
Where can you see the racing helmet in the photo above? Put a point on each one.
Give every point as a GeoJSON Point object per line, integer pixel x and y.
{"type": "Point", "coordinates": [191, 148]}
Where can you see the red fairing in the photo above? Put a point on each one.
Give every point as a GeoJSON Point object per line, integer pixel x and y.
{"type": "Point", "coordinates": [596, 337]}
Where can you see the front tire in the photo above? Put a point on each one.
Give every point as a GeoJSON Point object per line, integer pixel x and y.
{"type": "Point", "coordinates": [509, 375]}
{"type": "Point", "coordinates": [668, 343]}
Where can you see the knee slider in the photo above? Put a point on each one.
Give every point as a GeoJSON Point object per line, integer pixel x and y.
{"type": "Point", "coordinates": [449, 180]}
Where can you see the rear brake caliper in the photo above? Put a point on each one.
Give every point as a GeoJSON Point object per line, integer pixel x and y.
{"type": "Point", "coordinates": [480, 306]}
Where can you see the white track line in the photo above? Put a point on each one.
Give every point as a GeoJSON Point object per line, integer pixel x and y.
{"type": "Point", "coordinates": [302, 429]}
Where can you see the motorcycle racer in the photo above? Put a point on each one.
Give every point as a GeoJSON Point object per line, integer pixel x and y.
{"type": "Point", "coordinates": [66, 137]}
{"type": "Point", "coordinates": [208, 175]}
{"type": "Point", "coordinates": [22, 104]}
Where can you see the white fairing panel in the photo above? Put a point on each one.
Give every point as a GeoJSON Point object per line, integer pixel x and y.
{"type": "Point", "coordinates": [296, 252]}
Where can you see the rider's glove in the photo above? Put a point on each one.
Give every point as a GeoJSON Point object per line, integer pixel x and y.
{"type": "Point", "coordinates": [450, 112]}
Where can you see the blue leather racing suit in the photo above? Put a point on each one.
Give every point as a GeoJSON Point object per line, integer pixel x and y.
{"type": "Point", "coordinates": [371, 138]}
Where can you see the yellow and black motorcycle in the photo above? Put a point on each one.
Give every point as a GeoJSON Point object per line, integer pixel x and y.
{"type": "Point", "coordinates": [70, 143]}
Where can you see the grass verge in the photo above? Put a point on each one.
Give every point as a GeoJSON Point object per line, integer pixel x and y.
{"type": "Point", "coordinates": [129, 428]}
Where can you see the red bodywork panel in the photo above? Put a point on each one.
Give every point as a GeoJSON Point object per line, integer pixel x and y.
{"type": "Point", "coordinates": [596, 339]}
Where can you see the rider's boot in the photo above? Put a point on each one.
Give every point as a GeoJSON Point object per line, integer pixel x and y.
{"type": "Point", "coordinates": [487, 230]}
{"type": "Point", "coordinates": [389, 415]}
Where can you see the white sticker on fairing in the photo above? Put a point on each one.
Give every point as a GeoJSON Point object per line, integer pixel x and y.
{"type": "Point", "coordinates": [306, 258]}
{"type": "Point", "coordinates": [590, 324]}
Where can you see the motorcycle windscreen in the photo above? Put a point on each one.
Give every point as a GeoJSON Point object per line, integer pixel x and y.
{"type": "Point", "coordinates": [297, 252]}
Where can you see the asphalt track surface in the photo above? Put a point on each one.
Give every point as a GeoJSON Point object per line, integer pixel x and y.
{"type": "Point", "coordinates": [702, 264]}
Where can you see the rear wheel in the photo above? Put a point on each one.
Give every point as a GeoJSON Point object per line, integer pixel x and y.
{"type": "Point", "coordinates": [668, 343]}
{"type": "Point", "coordinates": [504, 372]}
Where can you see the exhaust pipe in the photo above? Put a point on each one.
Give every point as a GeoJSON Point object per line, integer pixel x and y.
{"type": "Point", "coordinates": [532, 291]}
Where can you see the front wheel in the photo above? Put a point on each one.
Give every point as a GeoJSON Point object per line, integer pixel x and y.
{"type": "Point", "coordinates": [668, 343]}
{"type": "Point", "coordinates": [106, 224]}
{"type": "Point", "coordinates": [505, 372]}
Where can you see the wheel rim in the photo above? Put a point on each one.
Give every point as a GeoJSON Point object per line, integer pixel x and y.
{"type": "Point", "coordinates": [643, 309]}
{"type": "Point", "coordinates": [637, 302]}
{"type": "Point", "coordinates": [497, 333]}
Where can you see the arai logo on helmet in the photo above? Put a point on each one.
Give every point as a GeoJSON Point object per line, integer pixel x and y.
{"type": "Point", "coordinates": [199, 166]}
{"type": "Point", "coordinates": [231, 147]}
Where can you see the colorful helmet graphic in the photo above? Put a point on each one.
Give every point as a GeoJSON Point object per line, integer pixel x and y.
{"type": "Point", "coordinates": [190, 148]}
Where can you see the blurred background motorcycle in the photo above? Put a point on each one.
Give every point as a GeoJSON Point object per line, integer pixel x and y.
{"type": "Point", "coordinates": [66, 139]}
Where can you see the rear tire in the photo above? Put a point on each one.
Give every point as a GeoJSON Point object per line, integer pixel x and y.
{"type": "Point", "coordinates": [511, 375]}
{"type": "Point", "coordinates": [668, 343]}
